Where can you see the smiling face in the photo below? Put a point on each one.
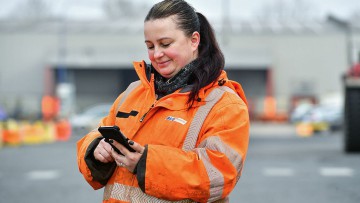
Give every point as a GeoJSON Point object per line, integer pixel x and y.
{"type": "Point", "coordinates": [169, 49]}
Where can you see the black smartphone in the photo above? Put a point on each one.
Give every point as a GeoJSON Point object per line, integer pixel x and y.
{"type": "Point", "coordinates": [114, 133]}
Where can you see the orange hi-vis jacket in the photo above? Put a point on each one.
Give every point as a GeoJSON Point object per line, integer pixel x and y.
{"type": "Point", "coordinates": [191, 154]}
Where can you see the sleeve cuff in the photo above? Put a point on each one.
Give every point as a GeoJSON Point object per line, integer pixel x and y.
{"type": "Point", "coordinates": [140, 170]}
{"type": "Point", "coordinates": [100, 172]}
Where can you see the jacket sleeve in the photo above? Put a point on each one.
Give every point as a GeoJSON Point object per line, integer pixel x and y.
{"type": "Point", "coordinates": [207, 173]}
{"type": "Point", "coordinates": [95, 173]}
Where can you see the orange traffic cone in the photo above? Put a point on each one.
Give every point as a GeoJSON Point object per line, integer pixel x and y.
{"type": "Point", "coordinates": [63, 129]}
{"type": "Point", "coordinates": [11, 133]}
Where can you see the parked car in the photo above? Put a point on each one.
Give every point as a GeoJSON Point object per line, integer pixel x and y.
{"type": "Point", "coordinates": [89, 119]}
{"type": "Point", "coordinates": [325, 117]}
{"type": "Point", "coordinates": [300, 112]}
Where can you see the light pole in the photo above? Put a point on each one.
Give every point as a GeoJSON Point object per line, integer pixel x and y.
{"type": "Point", "coordinates": [65, 89]}
{"type": "Point", "coordinates": [346, 27]}
{"type": "Point", "coordinates": [225, 21]}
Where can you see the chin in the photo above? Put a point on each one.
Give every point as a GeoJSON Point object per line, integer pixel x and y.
{"type": "Point", "coordinates": [166, 76]}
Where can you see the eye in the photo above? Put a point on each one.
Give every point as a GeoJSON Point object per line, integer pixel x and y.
{"type": "Point", "coordinates": [149, 45]}
{"type": "Point", "coordinates": [165, 45]}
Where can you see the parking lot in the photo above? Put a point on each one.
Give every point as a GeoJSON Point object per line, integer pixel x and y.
{"type": "Point", "coordinates": [281, 167]}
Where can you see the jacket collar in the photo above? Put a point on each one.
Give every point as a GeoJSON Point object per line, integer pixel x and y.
{"type": "Point", "coordinates": [147, 79]}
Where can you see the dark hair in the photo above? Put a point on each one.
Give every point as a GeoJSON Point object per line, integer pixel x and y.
{"type": "Point", "coordinates": [211, 58]}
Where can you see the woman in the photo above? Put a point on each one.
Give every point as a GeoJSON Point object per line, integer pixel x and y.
{"type": "Point", "coordinates": [187, 122]}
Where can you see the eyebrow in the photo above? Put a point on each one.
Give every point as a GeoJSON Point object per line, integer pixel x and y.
{"type": "Point", "coordinates": [163, 38]}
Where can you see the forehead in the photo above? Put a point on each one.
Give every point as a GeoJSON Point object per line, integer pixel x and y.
{"type": "Point", "coordinates": [163, 26]}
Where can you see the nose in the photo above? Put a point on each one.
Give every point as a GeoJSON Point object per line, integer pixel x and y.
{"type": "Point", "coordinates": [158, 52]}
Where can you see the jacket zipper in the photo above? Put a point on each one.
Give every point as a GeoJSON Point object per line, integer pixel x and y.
{"type": "Point", "coordinates": [151, 81]}
{"type": "Point", "coordinates": [152, 106]}
{"type": "Point", "coordinates": [143, 117]}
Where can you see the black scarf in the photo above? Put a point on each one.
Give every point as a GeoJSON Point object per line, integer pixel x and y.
{"type": "Point", "coordinates": [164, 86]}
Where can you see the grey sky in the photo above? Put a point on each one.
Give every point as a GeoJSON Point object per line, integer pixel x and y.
{"type": "Point", "coordinates": [245, 9]}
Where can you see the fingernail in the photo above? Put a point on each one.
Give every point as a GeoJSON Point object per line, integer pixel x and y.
{"type": "Point", "coordinates": [111, 141]}
{"type": "Point", "coordinates": [131, 142]}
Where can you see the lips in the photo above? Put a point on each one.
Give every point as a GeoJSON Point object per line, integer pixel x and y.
{"type": "Point", "coordinates": [163, 64]}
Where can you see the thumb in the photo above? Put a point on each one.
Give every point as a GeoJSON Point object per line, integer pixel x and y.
{"type": "Point", "coordinates": [136, 146]}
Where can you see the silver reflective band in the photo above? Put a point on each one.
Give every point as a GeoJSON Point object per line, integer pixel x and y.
{"type": "Point", "coordinates": [215, 176]}
{"type": "Point", "coordinates": [215, 143]}
{"type": "Point", "coordinates": [129, 89]}
{"type": "Point", "coordinates": [132, 194]}
{"type": "Point", "coordinates": [201, 114]}
{"type": "Point", "coordinates": [135, 195]}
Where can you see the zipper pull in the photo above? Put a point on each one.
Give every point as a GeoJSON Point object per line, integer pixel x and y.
{"type": "Point", "coordinates": [143, 117]}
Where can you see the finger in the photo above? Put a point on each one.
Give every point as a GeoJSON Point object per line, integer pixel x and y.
{"type": "Point", "coordinates": [106, 146]}
{"type": "Point", "coordinates": [136, 146]}
{"type": "Point", "coordinates": [107, 155]}
{"type": "Point", "coordinates": [117, 156]}
{"type": "Point", "coordinates": [119, 159]}
{"type": "Point", "coordinates": [104, 149]}
{"type": "Point", "coordinates": [101, 156]}
{"type": "Point", "coordinates": [120, 147]}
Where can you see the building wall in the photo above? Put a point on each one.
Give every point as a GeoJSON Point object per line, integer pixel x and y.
{"type": "Point", "coordinates": [22, 65]}
{"type": "Point", "coordinates": [302, 63]}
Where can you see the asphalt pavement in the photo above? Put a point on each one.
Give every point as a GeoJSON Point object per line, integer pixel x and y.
{"type": "Point", "coordinates": [281, 167]}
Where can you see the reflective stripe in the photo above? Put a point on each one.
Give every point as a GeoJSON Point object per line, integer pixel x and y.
{"type": "Point", "coordinates": [132, 194]}
{"type": "Point", "coordinates": [201, 115]}
{"type": "Point", "coordinates": [107, 191]}
{"type": "Point", "coordinates": [135, 195]}
{"type": "Point", "coordinates": [216, 144]}
{"type": "Point", "coordinates": [129, 89]}
{"type": "Point", "coordinates": [215, 176]}
{"type": "Point", "coordinates": [226, 200]}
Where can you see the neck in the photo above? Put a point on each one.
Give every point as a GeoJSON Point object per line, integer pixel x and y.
{"type": "Point", "coordinates": [165, 86]}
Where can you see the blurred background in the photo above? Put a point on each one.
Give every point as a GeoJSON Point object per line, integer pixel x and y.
{"type": "Point", "coordinates": [63, 63]}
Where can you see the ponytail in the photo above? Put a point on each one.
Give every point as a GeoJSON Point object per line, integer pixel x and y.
{"type": "Point", "coordinates": [211, 58]}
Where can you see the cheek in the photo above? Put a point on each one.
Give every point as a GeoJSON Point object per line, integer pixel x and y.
{"type": "Point", "coordinates": [179, 58]}
{"type": "Point", "coordinates": [172, 54]}
{"type": "Point", "coordinates": [151, 55]}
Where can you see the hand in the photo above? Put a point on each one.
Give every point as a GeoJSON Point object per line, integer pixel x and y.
{"type": "Point", "coordinates": [130, 159]}
{"type": "Point", "coordinates": [102, 152]}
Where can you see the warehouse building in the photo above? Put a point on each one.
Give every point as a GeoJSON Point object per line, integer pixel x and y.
{"type": "Point", "coordinates": [87, 63]}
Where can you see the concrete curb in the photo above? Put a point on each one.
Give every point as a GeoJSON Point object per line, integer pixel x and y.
{"type": "Point", "coordinates": [259, 129]}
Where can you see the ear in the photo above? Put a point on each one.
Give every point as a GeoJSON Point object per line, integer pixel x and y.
{"type": "Point", "coordinates": [195, 40]}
